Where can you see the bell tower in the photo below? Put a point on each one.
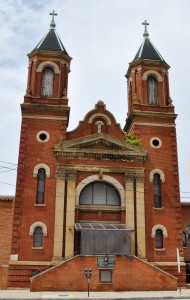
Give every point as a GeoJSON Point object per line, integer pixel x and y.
{"type": "Point", "coordinates": [45, 117]}
{"type": "Point", "coordinates": [151, 118]}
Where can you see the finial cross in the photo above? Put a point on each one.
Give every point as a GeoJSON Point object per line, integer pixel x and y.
{"type": "Point", "coordinates": [53, 14]}
{"type": "Point", "coordinates": [145, 24]}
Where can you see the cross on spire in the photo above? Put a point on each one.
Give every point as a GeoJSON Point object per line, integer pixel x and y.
{"type": "Point", "coordinates": [52, 24]}
{"type": "Point", "coordinates": [145, 23]}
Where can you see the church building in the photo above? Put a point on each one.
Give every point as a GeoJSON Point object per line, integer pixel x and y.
{"type": "Point", "coordinates": [100, 200]}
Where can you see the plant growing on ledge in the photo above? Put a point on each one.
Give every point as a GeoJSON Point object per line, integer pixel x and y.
{"type": "Point", "coordinates": [131, 139]}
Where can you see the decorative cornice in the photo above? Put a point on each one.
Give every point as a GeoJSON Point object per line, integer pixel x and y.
{"type": "Point", "coordinates": [99, 147]}
{"type": "Point", "coordinates": [100, 156]}
{"type": "Point", "coordinates": [43, 107]}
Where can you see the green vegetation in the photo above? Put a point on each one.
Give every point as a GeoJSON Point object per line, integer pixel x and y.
{"type": "Point", "coordinates": [131, 139]}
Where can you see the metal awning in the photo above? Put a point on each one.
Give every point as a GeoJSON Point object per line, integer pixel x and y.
{"type": "Point", "coordinates": [101, 226]}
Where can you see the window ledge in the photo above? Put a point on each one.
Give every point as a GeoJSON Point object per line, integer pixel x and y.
{"type": "Point", "coordinates": [37, 248]}
{"type": "Point", "coordinates": [158, 208]}
{"type": "Point", "coordinates": [107, 268]}
{"type": "Point", "coordinates": [185, 247]}
{"type": "Point", "coordinates": [105, 283]}
{"type": "Point", "coordinates": [160, 250]}
{"type": "Point", "coordinates": [39, 204]}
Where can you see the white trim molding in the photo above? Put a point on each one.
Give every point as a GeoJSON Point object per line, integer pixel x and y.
{"type": "Point", "coordinates": [105, 178]}
{"type": "Point", "coordinates": [159, 142]}
{"type": "Point", "coordinates": [38, 224]}
{"type": "Point", "coordinates": [99, 115]}
{"type": "Point", "coordinates": [42, 132]}
{"type": "Point", "coordinates": [48, 63]}
{"type": "Point", "coordinates": [39, 166]}
{"type": "Point", "coordinates": [159, 226]}
{"type": "Point", "coordinates": [154, 171]}
{"type": "Point", "coordinates": [154, 73]}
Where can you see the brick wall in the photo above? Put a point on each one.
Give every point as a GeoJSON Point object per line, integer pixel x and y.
{"type": "Point", "coordinates": [6, 215]}
{"type": "Point", "coordinates": [127, 274]}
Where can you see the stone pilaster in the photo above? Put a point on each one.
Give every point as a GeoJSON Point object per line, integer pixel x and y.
{"type": "Point", "coordinates": [64, 215]}
{"type": "Point", "coordinates": [130, 178]}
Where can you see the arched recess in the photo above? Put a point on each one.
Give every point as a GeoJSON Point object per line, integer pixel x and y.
{"type": "Point", "coordinates": [48, 63]}
{"type": "Point", "coordinates": [99, 115]}
{"type": "Point", "coordinates": [154, 73]}
{"type": "Point", "coordinates": [159, 226]}
{"type": "Point", "coordinates": [105, 178]}
{"type": "Point", "coordinates": [39, 166]}
{"type": "Point", "coordinates": [162, 176]}
{"type": "Point", "coordinates": [40, 224]}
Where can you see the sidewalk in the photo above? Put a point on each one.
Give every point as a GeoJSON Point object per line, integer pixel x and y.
{"type": "Point", "coordinates": [26, 294]}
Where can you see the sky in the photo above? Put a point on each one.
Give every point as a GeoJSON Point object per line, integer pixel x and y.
{"type": "Point", "coordinates": [102, 37]}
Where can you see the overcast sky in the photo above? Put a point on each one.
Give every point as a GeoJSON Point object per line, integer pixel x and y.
{"type": "Point", "coordinates": [102, 37]}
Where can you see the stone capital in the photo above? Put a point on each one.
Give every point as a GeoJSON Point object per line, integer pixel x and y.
{"type": "Point", "coordinates": [66, 174]}
{"type": "Point", "coordinates": [139, 176]}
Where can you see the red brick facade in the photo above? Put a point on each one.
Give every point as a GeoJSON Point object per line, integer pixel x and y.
{"type": "Point", "coordinates": [96, 152]}
{"type": "Point", "coordinates": [123, 276]}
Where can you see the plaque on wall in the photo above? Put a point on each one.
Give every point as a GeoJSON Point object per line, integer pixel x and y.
{"type": "Point", "coordinates": [106, 262]}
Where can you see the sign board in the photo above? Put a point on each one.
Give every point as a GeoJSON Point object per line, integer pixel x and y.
{"type": "Point", "coordinates": [106, 262]}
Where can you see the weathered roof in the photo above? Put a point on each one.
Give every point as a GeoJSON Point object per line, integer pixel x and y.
{"type": "Point", "coordinates": [51, 42]}
{"type": "Point", "coordinates": [147, 50]}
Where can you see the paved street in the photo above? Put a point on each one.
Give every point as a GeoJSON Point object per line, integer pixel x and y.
{"type": "Point", "coordinates": [26, 294]}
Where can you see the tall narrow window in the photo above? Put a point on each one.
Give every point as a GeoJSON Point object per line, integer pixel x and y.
{"type": "Point", "coordinates": [188, 235]}
{"type": "Point", "coordinates": [99, 127]}
{"type": "Point", "coordinates": [130, 91]}
{"type": "Point", "coordinates": [41, 178]}
{"type": "Point", "coordinates": [157, 191]}
{"type": "Point", "coordinates": [159, 239]}
{"type": "Point", "coordinates": [38, 237]}
{"type": "Point", "coordinates": [184, 239]}
{"type": "Point", "coordinates": [47, 82]}
{"type": "Point", "coordinates": [152, 90]}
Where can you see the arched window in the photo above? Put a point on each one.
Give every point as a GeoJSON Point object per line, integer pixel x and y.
{"type": "Point", "coordinates": [99, 127]}
{"type": "Point", "coordinates": [41, 178]}
{"type": "Point", "coordinates": [38, 237]}
{"type": "Point", "coordinates": [47, 82]}
{"type": "Point", "coordinates": [184, 239]}
{"type": "Point", "coordinates": [152, 90]}
{"type": "Point", "coordinates": [99, 193]}
{"type": "Point", "coordinates": [157, 191]}
{"type": "Point", "coordinates": [159, 239]}
{"type": "Point", "coordinates": [130, 91]}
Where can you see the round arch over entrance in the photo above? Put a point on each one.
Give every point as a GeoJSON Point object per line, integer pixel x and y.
{"type": "Point", "coordinates": [106, 178]}
{"type": "Point", "coordinates": [99, 193]}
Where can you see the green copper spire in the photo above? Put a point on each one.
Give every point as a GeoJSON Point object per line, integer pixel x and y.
{"type": "Point", "coordinates": [145, 34]}
{"type": "Point", "coordinates": [52, 24]}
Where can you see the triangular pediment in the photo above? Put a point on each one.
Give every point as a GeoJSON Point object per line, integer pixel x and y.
{"type": "Point", "coordinates": [99, 146]}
